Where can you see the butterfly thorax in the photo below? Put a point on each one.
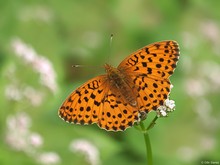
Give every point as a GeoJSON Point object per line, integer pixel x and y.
{"type": "Point", "coordinates": [119, 81]}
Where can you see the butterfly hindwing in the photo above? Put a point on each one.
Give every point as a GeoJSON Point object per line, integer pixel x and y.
{"type": "Point", "coordinates": [117, 115]}
{"type": "Point", "coordinates": [151, 93]}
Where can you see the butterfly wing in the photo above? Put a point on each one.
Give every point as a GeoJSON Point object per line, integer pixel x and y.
{"type": "Point", "coordinates": [95, 102]}
{"type": "Point", "coordinates": [151, 93]}
{"type": "Point", "coordinates": [117, 115]}
{"type": "Point", "coordinates": [84, 105]}
{"type": "Point", "coordinates": [148, 70]}
{"type": "Point", "coordinates": [157, 60]}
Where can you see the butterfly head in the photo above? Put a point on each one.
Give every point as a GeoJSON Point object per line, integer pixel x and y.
{"type": "Point", "coordinates": [109, 68]}
{"type": "Point", "coordinates": [112, 72]}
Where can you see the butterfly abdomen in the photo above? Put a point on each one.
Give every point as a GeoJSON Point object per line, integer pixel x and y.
{"type": "Point", "coordinates": [118, 82]}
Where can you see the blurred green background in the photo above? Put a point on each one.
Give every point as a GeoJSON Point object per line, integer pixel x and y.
{"type": "Point", "coordinates": [41, 40]}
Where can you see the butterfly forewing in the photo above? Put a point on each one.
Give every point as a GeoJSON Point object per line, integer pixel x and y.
{"type": "Point", "coordinates": [157, 60]}
{"type": "Point", "coordinates": [84, 105]}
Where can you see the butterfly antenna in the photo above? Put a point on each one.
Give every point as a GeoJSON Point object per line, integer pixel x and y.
{"type": "Point", "coordinates": [111, 37]}
{"type": "Point", "coordinates": [110, 47]}
{"type": "Point", "coordinates": [78, 66]}
{"type": "Point", "coordinates": [84, 66]}
{"type": "Point", "coordinates": [110, 54]}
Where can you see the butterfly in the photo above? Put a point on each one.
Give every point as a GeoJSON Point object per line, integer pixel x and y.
{"type": "Point", "coordinates": [116, 100]}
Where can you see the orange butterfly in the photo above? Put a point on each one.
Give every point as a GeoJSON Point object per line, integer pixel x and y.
{"type": "Point", "coordinates": [115, 100]}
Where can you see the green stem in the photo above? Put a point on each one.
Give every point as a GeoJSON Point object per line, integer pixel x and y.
{"type": "Point", "coordinates": [147, 139]}
{"type": "Point", "coordinates": [153, 122]}
{"type": "Point", "coordinates": [147, 144]}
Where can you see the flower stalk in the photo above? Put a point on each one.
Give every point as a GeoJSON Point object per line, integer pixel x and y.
{"type": "Point", "coordinates": [147, 144]}
{"type": "Point", "coordinates": [162, 111]}
{"type": "Point", "coordinates": [147, 139]}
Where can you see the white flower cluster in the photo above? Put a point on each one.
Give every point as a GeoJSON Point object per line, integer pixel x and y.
{"type": "Point", "coordinates": [15, 93]}
{"type": "Point", "coordinates": [86, 148]}
{"type": "Point", "coordinates": [163, 110]}
{"type": "Point", "coordinates": [38, 63]}
{"type": "Point", "coordinates": [20, 138]}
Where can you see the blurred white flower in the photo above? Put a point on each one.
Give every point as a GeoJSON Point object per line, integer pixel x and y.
{"type": "Point", "coordinates": [207, 81]}
{"type": "Point", "coordinates": [211, 70]}
{"type": "Point", "coordinates": [207, 143]}
{"type": "Point", "coordinates": [20, 138]}
{"type": "Point", "coordinates": [12, 92]}
{"type": "Point", "coordinates": [211, 32]}
{"type": "Point", "coordinates": [35, 140]}
{"type": "Point", "coordinates": [47, 73]}
{"type": "Point", "coordinates": [19, 121]}
{"type": "Point", "coordinates": [187, 154]}
{"type": "Point", "coordinates": [18, 130]}
{"type": "Point", "coordinates": [35, 97]}
{"type": "Point", "coordinates": [203, 109]}
{"type": "Point", "coordinates": [23, 51]}
{"type": "Point", "coordinates": [48, 158]}
{"type": "Point", "coordinates": [39, 63]}
{"type": "Point", "coordinates": [15, 93]}
{"type": "Point", "coordinates": [38, 13]}
{"type": "Point", "coordinates": [86, 148]}
{"type": "Point", "coordinates": [195, 87]}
